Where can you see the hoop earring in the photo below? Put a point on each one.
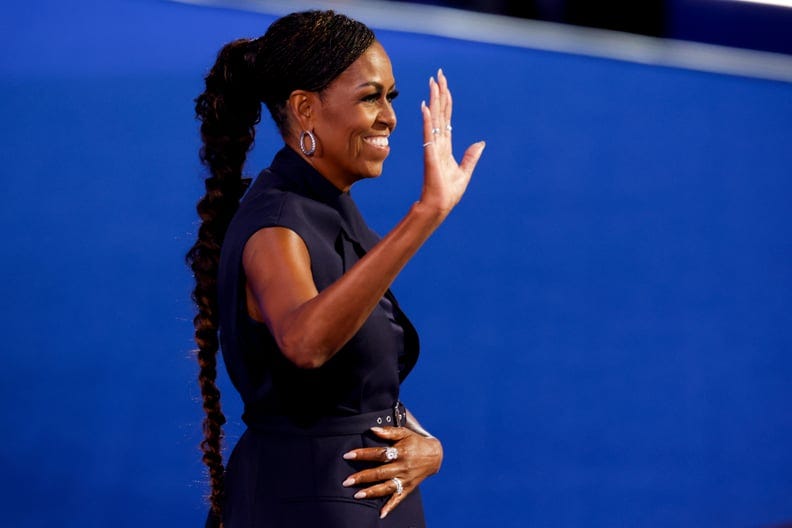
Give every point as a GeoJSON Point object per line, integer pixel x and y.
{"type": "Point", "coordinates": [308, 152]}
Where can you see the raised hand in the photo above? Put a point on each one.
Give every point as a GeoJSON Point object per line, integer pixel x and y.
{"type": "Point", "coordinates": [445, 180]}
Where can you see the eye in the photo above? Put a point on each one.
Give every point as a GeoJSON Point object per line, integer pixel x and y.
{"type": "Point", "coordinates": [374, 97]}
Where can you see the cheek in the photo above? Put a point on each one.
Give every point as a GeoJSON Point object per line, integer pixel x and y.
{"type": "Point", "coordinates": [355, 132]}
{"type": "Point", "coordinates": [344, 129]}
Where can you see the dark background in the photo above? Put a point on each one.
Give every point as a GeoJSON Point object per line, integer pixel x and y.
{"type": "Point", "coordinates": [725, 22]}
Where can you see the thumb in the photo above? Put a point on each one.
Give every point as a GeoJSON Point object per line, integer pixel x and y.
{"type": "Point", "coordinates": [471, 157]}
{"type": "Point", "coordinates": [391, 433]}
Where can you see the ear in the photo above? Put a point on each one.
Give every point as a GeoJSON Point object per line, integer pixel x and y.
{"type": "Point", "coordinates": [302, 107]}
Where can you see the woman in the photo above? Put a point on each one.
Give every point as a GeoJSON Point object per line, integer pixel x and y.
{"type": "Point", "coordinates": [297, 284]}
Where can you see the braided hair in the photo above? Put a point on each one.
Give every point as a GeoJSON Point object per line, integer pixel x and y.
{"type": "Point", "coordinates": [304, 51]}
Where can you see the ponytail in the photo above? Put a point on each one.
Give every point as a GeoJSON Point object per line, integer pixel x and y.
{"type": "Point", "coordinates": [299, 51]}
{"type": "Point", "coordinates": [228, 110]}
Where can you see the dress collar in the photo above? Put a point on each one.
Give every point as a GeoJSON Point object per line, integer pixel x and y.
{"type": "Point", "coordinates": [297, 173]}
{"type": "Point", "coordinates": [294, 173]}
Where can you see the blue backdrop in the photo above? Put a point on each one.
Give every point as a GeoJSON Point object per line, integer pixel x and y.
{"type": "Point", "coordinates": [606, 318]}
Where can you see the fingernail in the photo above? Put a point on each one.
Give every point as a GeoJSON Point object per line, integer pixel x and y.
{"type": "Point", "coordinates": [383, 515]}
{"type": "Point", "coordinates": [350, 456]}
{"type": "Point", "coordinates": [348, 482]}
{"type": "Point", "coordinates": [439, 72]}
{"type": "Point", "coordinates": [378, 429]}
{"type": "Point", "coordinates": [423, 104]}
{"type": "Point", "coordinates": [360, 495]}
{"type": "Point", "coordinates": [431, 80]}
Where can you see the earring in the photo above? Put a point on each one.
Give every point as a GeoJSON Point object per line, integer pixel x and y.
{"type": "Point", "coordinates": [308, 152]}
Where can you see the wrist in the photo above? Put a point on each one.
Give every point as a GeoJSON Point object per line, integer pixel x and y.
{"type": "Point", "coordinates": [431, 215]}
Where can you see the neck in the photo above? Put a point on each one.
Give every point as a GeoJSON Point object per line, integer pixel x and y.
{"type": "Point", "coordinates": [338, 180]}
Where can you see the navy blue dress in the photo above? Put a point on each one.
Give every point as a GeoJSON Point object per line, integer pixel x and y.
{"type": "Point", "coordinates": [287, 468]}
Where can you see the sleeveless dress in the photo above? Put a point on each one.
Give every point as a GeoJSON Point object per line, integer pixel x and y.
{"type": "Point", "coordinates": [287, 468]}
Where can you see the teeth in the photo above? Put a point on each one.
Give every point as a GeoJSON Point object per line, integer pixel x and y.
{"type": "Point", "coordinates": [377, 141]}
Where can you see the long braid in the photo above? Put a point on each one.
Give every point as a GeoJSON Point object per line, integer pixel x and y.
{"type": "Point", "coordinates": [228, 111]}
{"type": "Point", "coordinates": [299, 51]}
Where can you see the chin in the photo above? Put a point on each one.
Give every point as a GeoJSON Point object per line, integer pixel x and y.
{"type": "Point", "coordinates": [367, 176]}
{"type": "Point", "coordinates": [371, 171]}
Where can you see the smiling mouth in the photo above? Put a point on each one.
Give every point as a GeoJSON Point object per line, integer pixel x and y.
{"type": "Point", "coordinates": [377, 141]}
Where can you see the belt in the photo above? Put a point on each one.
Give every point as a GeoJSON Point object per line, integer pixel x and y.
{"type": "Point", "coordinates": [395, 416]}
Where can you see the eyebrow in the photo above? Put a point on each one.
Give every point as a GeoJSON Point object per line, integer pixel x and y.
{"type": "Point", "coordinates": [375, 84]}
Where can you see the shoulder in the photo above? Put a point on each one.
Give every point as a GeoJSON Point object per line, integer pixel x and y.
{"type": "Point", "coordinates": [271, 204]}
{"type": "Point", "coordinates": [286, 208]}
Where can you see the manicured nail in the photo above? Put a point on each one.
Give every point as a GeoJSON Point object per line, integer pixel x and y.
{"type": "Point", "coordinates": [350, 456]}
{"type": "Point", "coordinates": [423, 104]}
{"type": "Point", "coordinates": [360, 495]}
{"type": "Point", "coordinates": [378, 429]}
{"type": "Point", "coordinates": [348, 482]}
{"type": "Point", "coordinates": [383, 515]}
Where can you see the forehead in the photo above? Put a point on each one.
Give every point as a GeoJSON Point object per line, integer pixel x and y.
{"type": "Point", "coordinates": [373, 66]}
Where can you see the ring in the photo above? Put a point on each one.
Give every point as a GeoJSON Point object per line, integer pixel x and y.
{"type": "Point", "coordinates": [449, 127]}
{"type": "Point", "coordinates": [435, 131]}
{"type": "Point", "coordinates": [427, 144]}
{"type": "Point", "coordinates": [399, 486]}
{"type": "Point", "coordinates": [391, 454]}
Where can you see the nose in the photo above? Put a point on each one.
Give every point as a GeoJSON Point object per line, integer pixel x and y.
{"type": "Point", "coordinates": [387, 115]}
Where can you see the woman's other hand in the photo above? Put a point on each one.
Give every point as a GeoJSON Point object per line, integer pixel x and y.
{"type": "Point", "coordinates": [445, 180]}
{"type": "Point", "coordinates": [418, 457]}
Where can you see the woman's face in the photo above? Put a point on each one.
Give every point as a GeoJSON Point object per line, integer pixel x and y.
{"type": "Point", "coordinates": [354, 118]}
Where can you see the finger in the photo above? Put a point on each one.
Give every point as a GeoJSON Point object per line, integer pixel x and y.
{"type": "Point", "coordinates": [447, 101]}
{"type": "Point", "coordinates": [471, 157]}
{"type": "Point", "coordinates": [368, 454]}
{"type": "Point", "coordinates": [427, 122]}
{"type": "Point", "coordinates": [440, 120]}
{"type": "Point", "coordinates": [373, 454]}
{"type": "Point", "coordinates": [367, 476]}
{"type": "Point", "coordinates": [442, 87]}
{"type": "Point", "coordinates": [392, 503]}
{"type": "Point", "coordinates": [380, 490]}
{"type": "Point", "coordinates": [429, 138]}
{"type": "Point", "coordinates": [392, 433]}
{"type": "Point", "coordinates": [435, 103]}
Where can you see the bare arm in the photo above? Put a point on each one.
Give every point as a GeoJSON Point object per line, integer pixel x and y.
{"type": "Point", "coordinates": [310, 327]}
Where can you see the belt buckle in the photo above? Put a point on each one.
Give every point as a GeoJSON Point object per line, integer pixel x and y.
{"type": "Point", "coordinates": [397, 414]}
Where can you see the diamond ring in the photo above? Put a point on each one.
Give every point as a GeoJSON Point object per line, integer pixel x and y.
{"type": "Point", "coordinates": [391, 454]}
{"type": "Point", "coordinates": [399, 486]}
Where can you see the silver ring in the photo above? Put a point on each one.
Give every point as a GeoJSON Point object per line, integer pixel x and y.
{"type": "Point", "coordinates": [435, 131]}
{"type": "Point", "coordinates": [449, 127]}
{"type": "Point", "coordinates": [427, 144]}
{"type": "Point", "coordinates": [399, 486]}
{"type": "Point", "coordinates": [391, 454]}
